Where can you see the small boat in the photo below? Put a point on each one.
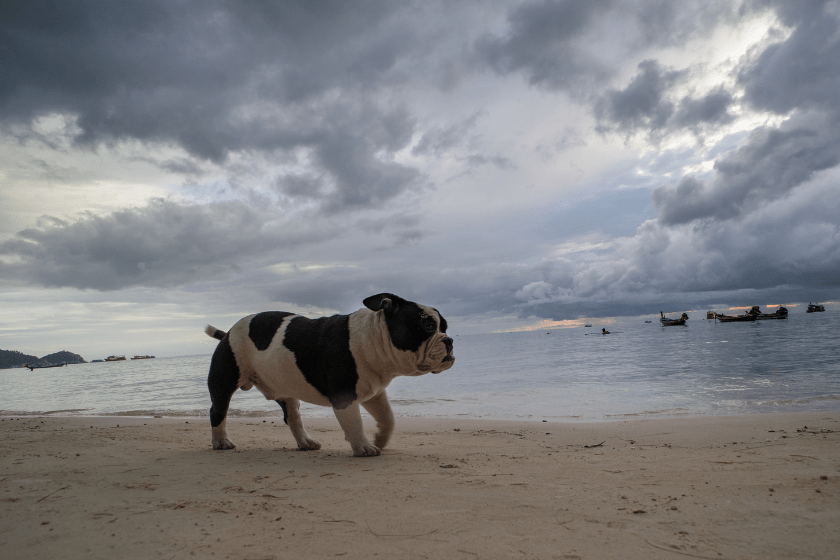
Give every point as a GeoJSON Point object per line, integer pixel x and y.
{"type": "Point", "coordinates": [734, 318]}
{"type": "Point", "coordinates": [96, 361]}
{"type": "Point", "coordinates": [666, 322]}
{"type": "Point", "coordinates": [114, 358]}
{"type": "Point", "coordinates": [780, 313]}
{"type": "Point", "coordinates": [587, 325]}
{"type": "Point", "coordinates": [710, 314]}
{"type": "Point", "coordinates": [814, 308]}
{"type": "Point", "coordinates": [146, 357]}
{"type": "Point", "coordinates": [648, 321]}
{"type": "Point", "coordinates": [33, 368]}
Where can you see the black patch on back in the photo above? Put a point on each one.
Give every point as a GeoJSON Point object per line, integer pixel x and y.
{"type": "Point", "coordinates": [222, 381]}
{"type": "Point", "coordinates": [322, 353]}
{"type": "Point", "coordinates": [263, 327]}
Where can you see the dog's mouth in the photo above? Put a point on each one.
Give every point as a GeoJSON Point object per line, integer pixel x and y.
{"type": "Point", "coordinates": [449, 359]}
{"type": "Point", "coordinates": [445, 364]}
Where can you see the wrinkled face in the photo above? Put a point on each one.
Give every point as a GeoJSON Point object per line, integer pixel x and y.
{"type": "Point", "coordinates": [418, 329]}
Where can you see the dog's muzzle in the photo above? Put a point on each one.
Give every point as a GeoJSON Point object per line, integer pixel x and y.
{"type": "Point", "coordinates": [449, 358]}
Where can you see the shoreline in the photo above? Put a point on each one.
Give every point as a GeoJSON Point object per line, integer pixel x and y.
{"type": "Point", "coordinates": [750, 486]}
{"type": "Point", "coordinates": [325, 414]}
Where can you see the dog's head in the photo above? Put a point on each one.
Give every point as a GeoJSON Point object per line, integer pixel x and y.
{"type": "Point", "coordinates": [416, 328]}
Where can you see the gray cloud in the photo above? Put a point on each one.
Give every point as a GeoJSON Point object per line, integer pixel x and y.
{"type": "Point", "coordinates": [220, 78]}
{"type": "Point", "coordinates": [646, 104]}
{"type": "Point", "coordinates": [642, 103]}
{"type": "Point", "coordinates": [163, 244]}
{"type": "Point", "coordinates": [318, 96]}
{"type": "Point", "coordinates": [712, 108]}
{"type": "Point", "coordinates": [803, 71]}
{"type": "Point", "coordinates": [439, 140]}
{"type": "Point", "coordinates": [550, 41]}
{"type": "Point", "coordinates": [543, 43]}
{"type": "Point", "coordinates": [770, 163]}
{"type": "Point", "coordinates": [771, 253]}
{"type": "Point", "coordinates": [801, 75]}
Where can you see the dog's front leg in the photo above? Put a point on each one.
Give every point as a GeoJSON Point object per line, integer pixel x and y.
{"type": "Point", "coordinates": [291, 416]}
{"type": "Point", "coordinates": [350, 419]}
{"type": "Point", "coordinates": [380, 408]}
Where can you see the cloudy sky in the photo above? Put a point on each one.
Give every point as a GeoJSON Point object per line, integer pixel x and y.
{"type": "Point", "coordinates": [164, 165]}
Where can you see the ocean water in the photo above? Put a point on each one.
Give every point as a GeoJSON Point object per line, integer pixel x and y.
{"type": "Point", "coordinates": [704, 368]}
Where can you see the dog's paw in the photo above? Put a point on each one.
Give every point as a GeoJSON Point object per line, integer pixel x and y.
{"type": "Point", "coordinates": [309, 445]}
{"type": "Point", "coordinates": [381, 440]}
{"type": "Point", "coordinates": [223, 443]}
{"type": "Point", "coordinates": [367, 450]}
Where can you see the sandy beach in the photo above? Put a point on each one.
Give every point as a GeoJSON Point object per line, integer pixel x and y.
{"type": "Point", "coordinates": [759, 486]}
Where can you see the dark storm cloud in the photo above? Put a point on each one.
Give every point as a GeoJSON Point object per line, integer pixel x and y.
{"type": "Point", "coordinates": [220, 77]}
{"type": "Point", "coordinates": [665, 23]}
{"type": "Point", "coordinates": [801, 75]}
{"type": "Point", "coordinates": [803, 71]}
{"type": "Point", "coordinates": [786, 250]}
{"type": "Point", "coordinates": [162, 244]}
{"type": "Point", "coordinates": [543, 43]}
{"type": "Point", "coordinates": [547, 40]}
{"type": "Point", "coordinates": [712, 108]}
{"type": "Point", "coordinates": [646, 104]}
{"type": "Point", "coordinates": [770, 163]}
{"type": "Point", "coordinates": [642, 103]}
{"type": "Point", "coordinates": [761, 226]}
{"type": "Point", "coordinates": [320, 87]}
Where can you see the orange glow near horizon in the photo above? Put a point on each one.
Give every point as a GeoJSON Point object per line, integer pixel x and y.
{"type": "Point", "coordinates": [548, 324]}
{"type": "Point", "coordinates": [769, 305]}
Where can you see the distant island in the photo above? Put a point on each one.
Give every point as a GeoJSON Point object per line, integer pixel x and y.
{"type": "Point", "coordinates": [13, 358]}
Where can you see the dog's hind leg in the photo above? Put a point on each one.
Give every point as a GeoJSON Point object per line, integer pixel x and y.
{"type": "Point", "coordinates": [292, 418]}
{"type": "Point", "coordinates": [222, 382]}
{"type": "Point", "coordinates": [380, 408]}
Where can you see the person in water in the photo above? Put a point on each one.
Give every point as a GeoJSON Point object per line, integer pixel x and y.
{"type": "Point", "coordinates": [605, 331]}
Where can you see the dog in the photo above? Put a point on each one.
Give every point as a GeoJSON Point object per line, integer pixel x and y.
{"type": "Point", "coordinates": [343, 361]}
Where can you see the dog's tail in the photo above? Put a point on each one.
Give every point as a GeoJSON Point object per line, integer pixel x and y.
{"type": "Point", "coordinates": [214, 332]}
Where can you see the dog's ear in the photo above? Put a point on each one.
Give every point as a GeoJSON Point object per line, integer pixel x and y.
{"type": "Point", "coordinates": [389, 302]}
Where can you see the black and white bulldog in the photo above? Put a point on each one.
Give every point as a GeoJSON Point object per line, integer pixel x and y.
{"type": "Point", "coordinates": [341, 361]}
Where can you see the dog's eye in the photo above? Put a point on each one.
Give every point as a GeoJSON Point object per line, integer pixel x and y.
{"type": "Point", "coordinates": [428, 323]}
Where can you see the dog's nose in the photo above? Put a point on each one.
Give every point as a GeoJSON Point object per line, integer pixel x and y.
{"type": "Point", "coordinates": [448, 343]}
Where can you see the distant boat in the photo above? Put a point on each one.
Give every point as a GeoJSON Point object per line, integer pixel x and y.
{"type": "Point", "coordinates": [710, 314]}
{"type": "Point", "coordinates": [146, 357]}
{"type": "Point", "coordinates": [666, 322]}
{"type": "Point", "coordinates": [114, 358]}
{"type": "Point", "coordinates": [648, 321]}
{"type": "Point", "coordinates": [780, 313]}
{"type": "Point", "coordinates": [814, 308]}
{"type": "Point", "coordinates": [734, 318]}
{"type": "Point", "coordinates": [33, 368]}
{"type": "Point", "coordinates": [587, 325]}
{"type": "Point", "coordinates": [96, 361]}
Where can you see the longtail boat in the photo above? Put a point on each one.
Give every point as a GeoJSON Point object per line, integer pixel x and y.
{"type": "Point", "coordinates": [666, 322]}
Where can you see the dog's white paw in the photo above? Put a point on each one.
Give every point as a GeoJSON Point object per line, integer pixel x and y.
{"type": "Point", "coordinates": [366, 450]}
{"type": "Point", "coordinates": [309, 444]}
{"type": "Point", "coordinates": [381, 440]}
{"type": "Point", "coordinates": [223, 443]}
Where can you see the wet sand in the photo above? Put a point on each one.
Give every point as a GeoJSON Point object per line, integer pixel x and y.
{"type": "Point", "coordinates": [759, 486]}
